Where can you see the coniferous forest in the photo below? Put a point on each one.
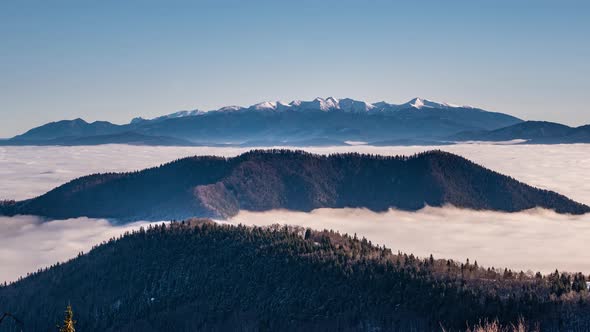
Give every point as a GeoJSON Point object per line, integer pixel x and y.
{"type": "Point", "coordinates": [197, 275]}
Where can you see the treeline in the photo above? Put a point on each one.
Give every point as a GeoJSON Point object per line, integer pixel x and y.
{"type": "Point", "coordinates": [7, 207]}
{"type": "Point", "coordinates": [196, 275]}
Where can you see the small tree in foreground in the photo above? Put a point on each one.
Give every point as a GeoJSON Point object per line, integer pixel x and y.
{"type": "Point", "coordinates": [68, 324]}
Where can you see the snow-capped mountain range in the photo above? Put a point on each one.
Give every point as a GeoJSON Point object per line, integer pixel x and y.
{"type": "Point", "coordinates": [321, 121]}
{"type": "Point", "coordinates": [320, 104]}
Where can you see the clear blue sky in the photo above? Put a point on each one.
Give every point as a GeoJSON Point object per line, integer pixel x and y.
{"type": "Point", "coordinates": [113, 60]}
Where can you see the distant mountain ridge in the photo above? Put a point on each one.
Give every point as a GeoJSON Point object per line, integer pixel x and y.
{"type": "Point", "coordinates": [128, 138]}
{"type": "Point", "coordinates": [69, 128]}
{"type": "Point", "coordinates": [283, 179]}
{"type": "Point", "coordinates": [533, 132]}
{"type": "Point", "coordinates": [326, 105]}
{"type": "Point", "coordinates": [280, 123]}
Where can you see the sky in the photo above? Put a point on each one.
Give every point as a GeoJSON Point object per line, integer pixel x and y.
{"type": "Point", "coordinates": [113, 60]}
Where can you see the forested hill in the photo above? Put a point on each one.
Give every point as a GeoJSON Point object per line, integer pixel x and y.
{"type": "Point", "coordinates": [199, 276]}
{"type": "Point", "coordinates": [282, 179]}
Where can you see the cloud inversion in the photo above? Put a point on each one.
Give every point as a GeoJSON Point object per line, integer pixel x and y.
{"type": "Point", "coordinates": [539, 240]}
{"type": "Point", "coordinates": [26, 172]}
{"type": "Point", "coordinates": [28, 243]}
{"type": "Point", "coordinates": [536, 239]}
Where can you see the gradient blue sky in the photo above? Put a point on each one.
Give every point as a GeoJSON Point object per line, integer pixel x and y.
{"type": "Point", "coordinates": [113, 60]}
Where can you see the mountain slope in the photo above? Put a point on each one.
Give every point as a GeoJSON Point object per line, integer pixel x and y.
{"type": "Point", "coordinates": [198, 276]}
{"type": "Point", "coordinates": [282, 179]}
{"type": "Point", "coordinates": [331, 118]}
{"type": "Point", "coordinates": [129, 138]}
{"type": "Point", "coordinates": [534, 132]}
{"type": "Point", "coordinates": [579, 135]}
{"type": "Point", "coordinates": [327, 119]}
{"type": "Point", "coordinates": [69, 128]}
{"type": "Point", "coordinates": [292, 125]}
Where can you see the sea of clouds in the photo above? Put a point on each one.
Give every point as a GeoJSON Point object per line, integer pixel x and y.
{"type": "Point", "coordinates": [536, 239]}
{"type": "Point", "coordinates": [29, 171]}
{"type": "Point", "coordinates": [28, 243]}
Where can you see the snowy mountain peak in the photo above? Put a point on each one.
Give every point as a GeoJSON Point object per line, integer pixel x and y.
{"type": "Point", "coordinates": [265, 105]}
{"type": "Point", "coordinates": [420, 103]}
{"type": "Point", "coordinates": [329, 104]}
{"type": "Point", "coordinates": [179, 114]}
{"type": "Point", "coordinates": [295, 103]}
{"type": "Point", "coordinates": [182, 114]}
{"type": "Point", "coordinates": [231, 108]}
{"type": "Point", "coordinates": [417, 103]}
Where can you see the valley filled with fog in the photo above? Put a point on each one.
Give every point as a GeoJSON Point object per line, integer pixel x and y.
{"type": "Point", "coordinates": [29, 171]}
{"type": "Point", "coordinates": [536, 239]}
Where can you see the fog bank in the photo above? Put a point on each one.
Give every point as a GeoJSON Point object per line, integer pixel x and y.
{"type": "Point", "coordinates": [536, 240]}
{"type": "Point", "coordinates": [539, 240]}
{"type": "Point", "coordinates": [28, 243]}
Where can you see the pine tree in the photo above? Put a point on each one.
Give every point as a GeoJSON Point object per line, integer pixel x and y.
{"type": "Point", "coordinates": [69, 322]}
{"type": "Point", "coordinates": [579, 283]}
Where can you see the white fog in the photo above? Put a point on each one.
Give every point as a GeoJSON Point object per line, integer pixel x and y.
{"type": "Point", "coordinates": [535, 240]}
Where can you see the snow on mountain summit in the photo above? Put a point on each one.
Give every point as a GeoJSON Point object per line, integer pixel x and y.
{"type": "Point", "coordinates": [265, 105]}
{"type": "Point", "coordinates": [179, 114]}
{"type": "Point", "coordinates": [320, 104]}
{"type": "Point", "coordinates": [417, 103]}
{"type": "Point", "coordinates": [420, 103]}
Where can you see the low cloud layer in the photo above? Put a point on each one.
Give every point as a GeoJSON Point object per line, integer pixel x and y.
{"type": "Point", "coordinates": [539, 240]}
{"type": "Point", "coordinates": [28, 243]}
{"type": "Point", "coordinates": [536, 240]}
{"type": "Point", "coordinates": [26, 172]}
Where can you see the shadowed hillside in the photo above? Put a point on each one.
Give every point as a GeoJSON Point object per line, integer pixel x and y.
{"type": "Point", "coordinates": [199, 276]}
{"type": "Point", "coordinates": [534, 132]}
{"type": "Point", "coordinates": [282, 179]}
